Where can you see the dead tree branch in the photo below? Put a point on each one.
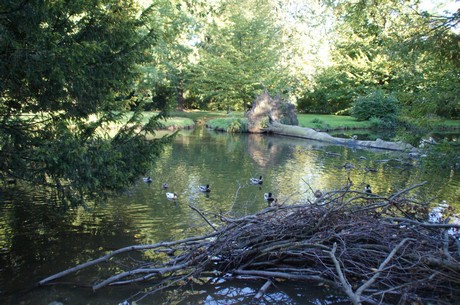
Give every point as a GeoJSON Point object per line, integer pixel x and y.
{"type": "Point", "coordinates": [375, 249]}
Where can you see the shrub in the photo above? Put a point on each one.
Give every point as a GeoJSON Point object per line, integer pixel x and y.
{"type": "Point", "coordinates": [376, 104]}
{"type": "Point", "coordinates": [382, 123]}
{"type": "Point", "coordinates": [320, 124]}
{"type": "Point", "coordinates": [237, 125]}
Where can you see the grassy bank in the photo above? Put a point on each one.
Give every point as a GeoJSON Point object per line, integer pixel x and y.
{"type": "Point", "coordinates": [319, 122]}
{"type": "Point", "coordinates": [221, 120]}
{"type": "Point", "coordinates": [326, 122]}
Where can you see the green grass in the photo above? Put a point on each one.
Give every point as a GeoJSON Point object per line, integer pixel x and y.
{"type": "Point", "coordinates": [220, 120]}
{"type": "Point", "coordinates": [183, 119]}
{"type": "Point", "coordinates": [330, 122]}
{"type": "Point", "coordinates": [178, 122]}
{"type": "Point", "coordinates": [204, 115]}
{"type": "Point", "coordinates": [230, 124]}
{"type": "Point", "coordinates": [447, 124]}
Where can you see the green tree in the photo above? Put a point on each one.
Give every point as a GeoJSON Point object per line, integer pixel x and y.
{"type": "Point", "coordinates": [375, 105]}
{"type": "Point", "coordinates": [387, 45]}
{"type": "Point", "coordinates": [435, 82]}
{"type": "Point", "coordinates": [163, 82]}
{"type": "Point", "coordinates": [67, 71]}
{"type": "Point", "coordinates": [238, 56]}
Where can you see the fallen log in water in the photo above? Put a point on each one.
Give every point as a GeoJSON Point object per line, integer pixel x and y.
{"type": "Point", "coordinates": [374, 249]}
{"type": "Point", "coordinates": [309, 133]}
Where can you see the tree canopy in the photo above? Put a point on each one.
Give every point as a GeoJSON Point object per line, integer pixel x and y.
{"type": "Point", "coordinates": [66, 72]}
{"type": "Point", "coordinates": [70, 70]}
{"type": "Point", "coordinates": [395, 47]}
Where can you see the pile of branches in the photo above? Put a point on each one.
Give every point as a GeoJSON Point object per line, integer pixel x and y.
{"type": "Point", "coordinates": [374, 249]}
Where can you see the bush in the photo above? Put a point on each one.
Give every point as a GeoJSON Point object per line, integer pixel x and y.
{"type": "Point", "coordinates": [376, 105]}
{"type": "Point", "coordinates": [237, 125]}
{"type": "Point", "coordinates": [232, 124]}
{"type": "Point", "coordinates": [320, 124]}
{"type": "Point", "coordinates": [382, 123]}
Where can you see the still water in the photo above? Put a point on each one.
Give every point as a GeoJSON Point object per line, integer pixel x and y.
{"type": "Point", "coordinates": [38, 239]}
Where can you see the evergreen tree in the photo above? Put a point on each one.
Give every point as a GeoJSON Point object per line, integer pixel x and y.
{"type": "Point", "coordinates": [238, 56]}
{"type": "Point", "coordinates": [67, 71]}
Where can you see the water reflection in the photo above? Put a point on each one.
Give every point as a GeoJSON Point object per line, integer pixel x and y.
{"type": "Point", "coordinates": [38, 239]}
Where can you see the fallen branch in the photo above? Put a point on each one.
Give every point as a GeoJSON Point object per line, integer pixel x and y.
{"type": "Point", "coordinates": [202, 216]}
{"type": "Point", "coordinates": [361, 245]}
{"type": "Point", "coordinates": [263, 289]}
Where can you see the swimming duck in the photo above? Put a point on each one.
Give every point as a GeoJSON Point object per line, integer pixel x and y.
{"type": "Point", "coordinates": [172, 196]}
{"type": "Point", "coordinates": [256, 180]}
{"type": "Point", "coordinates": [205, 189]}
{"type": "Point", "coordinates": [367, 189]}
{"type": "Point", "coordinates": [147, 179]}
{"type": "Point", "coordinates": [269, 197]}
{"type": "Point", "coordinates": [164, 186]}
{"type": "Point", "coordinates": [318, 194]}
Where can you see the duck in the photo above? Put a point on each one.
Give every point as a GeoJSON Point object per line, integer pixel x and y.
{"type": "Point", "coordinates": [205, 189]}
{"type": "Point", "coordinates": [318, 194]}
{"type": "Point", "coordinates": [172, 196]}
{"type": "Point", "coordinates": [164, 186]}
{"type": "Point", "coordinates": [269, 197]}
{"type": "Point", "coordinates": [370, 169]}
{"type": "Point", "coordinates": [147, 179]}
{"type": "Point", "coordinates": [367, 189]}
{"type": "Point", "coordinates": [256, 180]}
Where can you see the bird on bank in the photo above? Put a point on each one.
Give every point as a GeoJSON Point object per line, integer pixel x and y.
{"type": "Point", "coordinates": [205, 189]}
{"type": "Point", "coordinates": [171, 196]}
{"type": "Point", "coordinates": [164, 186]}
{"type": "Point", "coordinates": [367, 189]}
{"type": "Point", "coordinates": [256, 180]}
{"type": "Point", "coordinates": [147, 179]}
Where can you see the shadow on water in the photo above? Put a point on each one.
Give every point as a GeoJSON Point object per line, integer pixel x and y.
{"type": "Point", "coordinates": [37, 239]}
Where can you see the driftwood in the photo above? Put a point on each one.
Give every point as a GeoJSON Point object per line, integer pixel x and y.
{"type": "Point", "coordinates": [309, 133]}
{"type": "Point", "coordinates": [374, 249]}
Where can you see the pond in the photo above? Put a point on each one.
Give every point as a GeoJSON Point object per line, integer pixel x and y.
{"type": "Point", "coordinates": [38, 239]}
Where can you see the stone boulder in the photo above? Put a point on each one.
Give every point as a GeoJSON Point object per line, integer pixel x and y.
{"type": "Point", "coordinates": [266, 110]}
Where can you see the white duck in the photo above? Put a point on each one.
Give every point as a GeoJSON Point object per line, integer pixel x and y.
{"type": "Point", "coordinates": [171, 196]}
{"type": "Point", "coordinates": [256, 180]}
{"type": "Point", "coordinates": [205, 189]}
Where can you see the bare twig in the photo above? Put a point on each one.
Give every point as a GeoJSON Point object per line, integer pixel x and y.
{"type": "Point", "coordinates": [203, 216]}
{"type": "Point", "coordinates": [361, 245]}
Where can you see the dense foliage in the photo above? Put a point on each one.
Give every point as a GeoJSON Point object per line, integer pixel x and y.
{"type": "Point", "coordinates": [238, 57]}
{"type": "Point", "coordinates": [395, 47]}
{"type": "Point", "coordinates": [70, 69]}
{"type": "Point", "coordinates": [65, 68]}
{"type": "Point", "coordinates": [377, 105]}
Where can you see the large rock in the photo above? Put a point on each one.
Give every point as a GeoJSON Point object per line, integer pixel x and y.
{"type": "Point", "coordinates": [266, 110]}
